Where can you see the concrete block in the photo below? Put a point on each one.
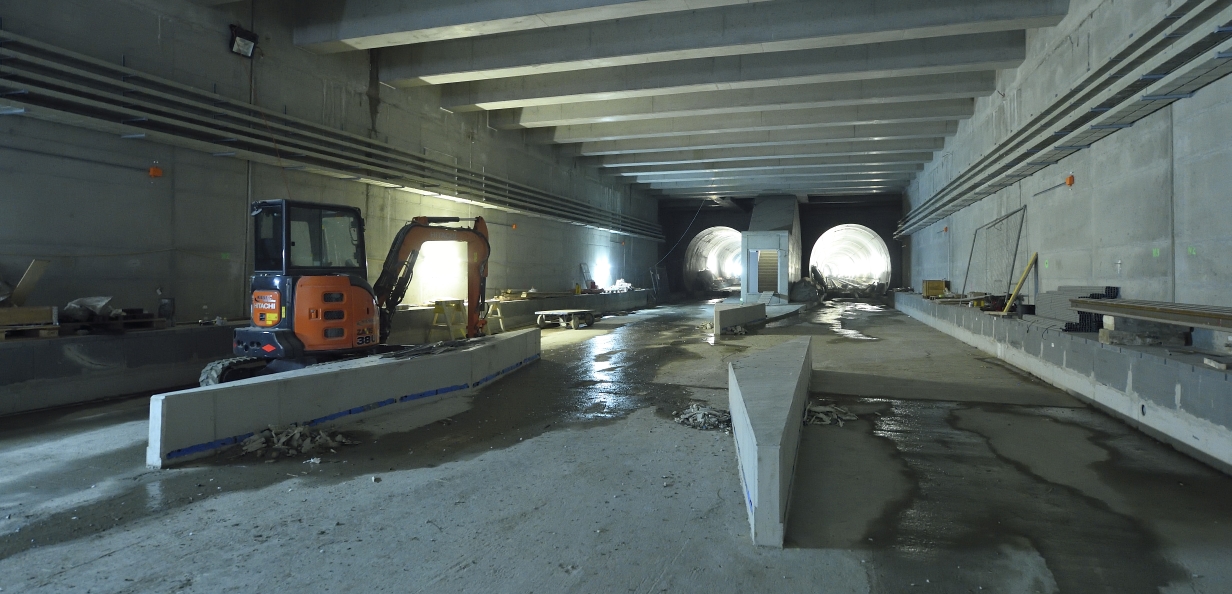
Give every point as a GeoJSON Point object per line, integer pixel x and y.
{"type": "Point", "coordinates": [1207, 395]}
{"type": "Point", "coordinates": [727, 315]}
{"type": "Point", "coordinates": [194, 423]}
{"type": "Point", "coordinates": [1015, 334]}
{"type": "Point", "coordinates": [1155, 380]}
{"type": "Point", "coordinates": [768, 392]}
{"type": "Point", "coordinates": [1112, 368]}
{"type": "Point", "coordinates": [1053, 345]}
{"type": "Point", "coordinates": [1032, 342]}
{"type": "Point", "coordinates": [1080, 356]}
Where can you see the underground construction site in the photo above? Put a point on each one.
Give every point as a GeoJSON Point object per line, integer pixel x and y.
{"type": "Point", "coordinates": [615, 296]}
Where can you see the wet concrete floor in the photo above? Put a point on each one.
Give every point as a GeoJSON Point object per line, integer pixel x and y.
{"type": "Point", "coordinates": [961, 474]}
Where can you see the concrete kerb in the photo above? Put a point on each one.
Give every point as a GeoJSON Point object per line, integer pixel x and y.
{"type": "Point", "coordinates": [1071, 363]}
{"type": "Point", "coordinates": [768, 392]}
{"type": "Point", "coordinates": [728, 315]}
{"type": "Point", "coordinates": [195, 423]}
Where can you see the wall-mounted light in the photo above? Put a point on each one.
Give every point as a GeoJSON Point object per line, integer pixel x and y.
{"type": "Point", "coordinates": [243, 41]}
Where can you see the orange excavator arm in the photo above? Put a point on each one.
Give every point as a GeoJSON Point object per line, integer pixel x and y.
{"type": "Point", "coordinates": [399, 267]}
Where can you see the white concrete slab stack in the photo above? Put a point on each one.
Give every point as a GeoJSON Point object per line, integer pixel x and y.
{"type": "Point", "coordinates": [768, 392]}
{"type": "Point", "coordinates": [194, 423]}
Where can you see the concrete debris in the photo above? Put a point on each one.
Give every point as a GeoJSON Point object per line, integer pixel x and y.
{"type": "Point", "coordinates": [620, 286]}
{"type": "Point", "coordinates": [292, 441]}
{"type": "Point", "coordinates": [803, 291]}
{"type": "Point", "coordinates": [312, 461]}
{"type": "Point", "coordinates": [827, 414]}
{"type": "Point", "coordinates": [735, 330]}
{"type": "Point", "coordinates": [708, 326]}
{"type": "Point", "coordinates": [699, 416]}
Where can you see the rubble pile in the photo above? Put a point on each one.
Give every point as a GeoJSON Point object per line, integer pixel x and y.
{"type": "Point", "coordinates": [292, 441]}
{"type": "Point", "coordinates": [826, 414]}
{"type": "Point", "coordinates": [735, 330]}
{"type": "Point", "coordinates": [699, 416]}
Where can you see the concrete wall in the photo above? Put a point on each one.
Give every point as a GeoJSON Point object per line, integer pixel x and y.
{"type": "Point", "coordinates": [42, 373]}
{"type": "Point", "coordinates": [1148, 209]}
{"type": "Point", "coordinates": [84, 198]}
{"type": "Point", "coordinates": [1174, 398]}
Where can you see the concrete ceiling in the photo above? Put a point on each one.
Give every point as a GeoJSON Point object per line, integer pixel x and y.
{"type": "Point", "coordinates": [704, 99]}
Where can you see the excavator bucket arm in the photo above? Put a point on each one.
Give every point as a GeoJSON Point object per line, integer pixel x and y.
{"type": "Point", "coordinates": [399, 266]}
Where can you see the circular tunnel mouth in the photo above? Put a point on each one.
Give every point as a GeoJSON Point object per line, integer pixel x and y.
{"type": "Point", "coordinates": [712, 261]}
{"type": "Point", "coordinates": [850, 258]}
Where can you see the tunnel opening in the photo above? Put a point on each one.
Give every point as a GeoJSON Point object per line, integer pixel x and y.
{"type": "Point", "coordinates": [850, 259]}
{"type": "Point", "coordinates": [712, 261]}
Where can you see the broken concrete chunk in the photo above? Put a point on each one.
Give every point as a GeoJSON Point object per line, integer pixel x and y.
{"type": "Point", "coordinates": [827, 414]}
{"type": "Point", "coordinates": [292, 441]}
{"type": "Point", "coordinates": [699, 416]}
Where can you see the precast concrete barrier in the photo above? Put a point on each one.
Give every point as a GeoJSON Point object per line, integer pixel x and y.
{"type": "Point", "coordinates": [1174, 398]}
{"type": "Point", "coordinates": [194, 423]}
{"type": "Point", "coordinates": [768, 392]}
{"type": "Point", "coordinates": [727, 315]}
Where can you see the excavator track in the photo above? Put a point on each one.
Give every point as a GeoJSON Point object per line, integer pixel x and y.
{"type": "Point", "coordinates": [229, 370]}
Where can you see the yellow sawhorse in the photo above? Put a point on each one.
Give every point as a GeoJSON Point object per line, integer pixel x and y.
{"type": "Point", "coordinates": [449, 315]}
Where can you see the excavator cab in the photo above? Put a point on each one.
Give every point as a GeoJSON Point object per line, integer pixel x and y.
{"type": "Point", "coordinates": [310, 290]}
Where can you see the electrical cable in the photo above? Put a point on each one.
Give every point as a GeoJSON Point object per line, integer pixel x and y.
{"type": "Point", "coordinates": [686, 232]}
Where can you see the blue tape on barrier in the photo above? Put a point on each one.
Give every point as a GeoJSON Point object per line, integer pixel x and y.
{"type": "Point", "coordinates": [205, 447]}
{"type": "Point", "coordinates": [221, 443]}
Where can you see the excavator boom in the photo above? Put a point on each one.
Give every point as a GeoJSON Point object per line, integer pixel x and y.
{"type": "Point", "coordinates": [399, 266]}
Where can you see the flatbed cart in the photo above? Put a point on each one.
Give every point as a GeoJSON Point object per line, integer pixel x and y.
{"type": "Point", "coordinates": [573, 318]}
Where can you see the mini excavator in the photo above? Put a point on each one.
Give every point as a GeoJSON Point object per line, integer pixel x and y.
{"type": "Point", "coordinates": [311, 301]}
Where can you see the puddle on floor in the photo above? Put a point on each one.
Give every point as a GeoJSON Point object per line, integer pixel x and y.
{"type": "Point", "coordinates": [838, 316]}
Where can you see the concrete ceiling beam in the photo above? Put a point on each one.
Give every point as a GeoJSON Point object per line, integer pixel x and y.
{"type": "Point", "coordinates": [734, 30]}
{"type": "Point", "coordinates": [941, 55]}
{"type": "Point", "coordinates": [330, 26]}
{"type": "Point", "coordinates": [812, 172]}
{"type": "Point", "coordinates": [853, 188]}
{"type": "Point", "coordinates": [798, 136]}
{"type": "Point", "coordinates": [736, 167]}
{"type": "Point", "coordinates": [874, 147]}
{"type": "Point", "coordinates": [775, 182]}
{"type": "Point", "coordinates": [961, 85]}
{"type": "Point", "coordinates": [849, 115]}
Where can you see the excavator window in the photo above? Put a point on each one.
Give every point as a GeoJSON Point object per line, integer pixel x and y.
{"type": "Point", "coordinates": [268, 256]}
{"type": "Point", "coordinates": [324, 238]}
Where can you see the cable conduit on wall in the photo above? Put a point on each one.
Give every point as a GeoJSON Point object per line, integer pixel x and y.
{"type": "Point", "coordinates": [1184, 52]}
{"type": "Point", "coordinates": [41, 81]}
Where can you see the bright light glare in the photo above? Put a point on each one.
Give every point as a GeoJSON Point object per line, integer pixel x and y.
{"type": "Point", "coordinates": [733, 268]}
{"type": "Point", "coordinates": [715, 251]}
{"type": "Point", "coordinates": [852, 253]}
{"type": "Point", "coordinates": [602, 272]}
{"type": "Point", "coordinates": [440, 272]}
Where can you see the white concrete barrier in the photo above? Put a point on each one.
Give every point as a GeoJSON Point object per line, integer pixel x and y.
{"type": "Point", "coordinates": [194, 423]}
{"type": "Point", "coordinates": [768, 393]}
{"type": "Point", "coordinates": [727, 315]}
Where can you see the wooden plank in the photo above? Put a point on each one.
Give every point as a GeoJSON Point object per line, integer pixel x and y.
{"type": "Point", "coordinates": [28, 281]}
{"type": "Point", "coordinates": [29, 332]}
{"type": "Point", "coordinates": [26, 316]}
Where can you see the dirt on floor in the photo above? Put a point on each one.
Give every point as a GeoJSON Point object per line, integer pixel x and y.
{"type": "Point", "coordinates": [958, 474]}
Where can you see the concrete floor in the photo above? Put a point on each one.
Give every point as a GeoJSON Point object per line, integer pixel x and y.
{"type": "Point", "coordinates": [960, 475]}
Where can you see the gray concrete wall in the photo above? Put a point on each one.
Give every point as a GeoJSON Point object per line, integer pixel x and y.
{"type": "Point", "coordinates": [1174, 398]}
{"type": "Point", "coordinates": [84, 198]}
{"type": "Point", "coordinates": [1148, 209]}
